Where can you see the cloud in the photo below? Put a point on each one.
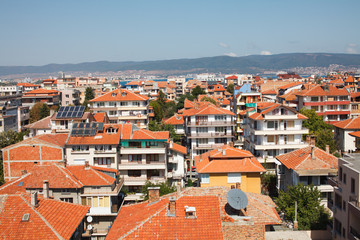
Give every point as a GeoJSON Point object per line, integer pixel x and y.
{"type": "Point", "coordinates": [351, 48]}
{"type": "Point", "coordinates": [230, 54]}
{"type": "Point", "coordinates": [224, 45]}
{"type": "Point", "coordinates": [265, 52]}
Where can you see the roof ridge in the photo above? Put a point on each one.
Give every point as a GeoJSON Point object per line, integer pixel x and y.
{"type": "Point", "coordinates": [66, 174]}
{"type": "Point", "coordinates": [15, 181]}
{"type": "Point", "coordinates": [42, 218]}
{"type": "Point", "coordinates": [263, 212]}
{"type": "Point", "coordinates": [97, 173]}
{"type": "Point", "coordinates": [145, 221]}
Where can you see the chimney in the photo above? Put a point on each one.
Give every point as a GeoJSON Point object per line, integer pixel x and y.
{"type": "Point", "coordinates": [238, 185]}
{"type": "Point", "coordinates": [87, 165]}
{"type": "Point", "coordinates": [312, 140]}
{"type": "Point", "coordinates": [197, 105]}
{"type": "Point", "coordinates": [172, 207]}
{"type": "Point", "coordinates": [23, 172]}
{"type": "Point", "coordinates": [178, 188]}
{"type": "Point", "coordinates": [327, 149]}
{"type": "Point", "coordinates": [312, 152]}
{"type": "Point", "coordinates": [154, 194]}
{"type": "Point", "coordinates": [171, 143]}
{"type": "Point", "coordinates": [224, 152]}
{"type": "Point", "coordinates": [231, 144]}
{"type": "Point", "coordinates": [34, 199]}
{"type": "Point", "coordinates": [46, 189]}
{"type": "Point", "coordinates": [52, 111]}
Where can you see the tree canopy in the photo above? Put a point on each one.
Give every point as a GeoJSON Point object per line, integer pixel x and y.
{"type": "Point", "coordinates": [39, 111]}
{"type": "Point", "coordinates": [163, 108]}
{"type": "Point", "coordinates": [230, 88]}
{"type": "Point", "coordinates": [181, 100]}
{"type": "Point", "coordinates": [310, 213]}
{"type": "Point", "coordinates": [165, 188]}
{"type": "Point", "coordinates": [197, 91]}
{"type": "Point", "coordinates": [208, 99]}
{"type": "Point", "coordinates": [321, 130]}
{"type": "Point", "coordinates": [89, 93]}
{"type": "Point", "coordinates": [154, 126]}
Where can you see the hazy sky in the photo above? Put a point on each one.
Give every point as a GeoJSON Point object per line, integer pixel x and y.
{"type": "Point", "coordinates": [41, 32]}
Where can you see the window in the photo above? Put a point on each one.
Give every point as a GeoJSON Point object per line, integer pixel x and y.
{"type": "Point", "coordinates": [152, 157]}
{"type": "Point", "coordinates": [204, 178]}
{"type": "Point", "coordinates": [80, 148]}
{"type": "Point", "coordinates": [123, 103]}
{"type": "Point", "coordinates": [136, 103]}
{"type": "Point", "coordinates": [314, 99]}
{"type": "Point", "coordinates": [135, 144]}
{"type": "Point", "coordinates": [220, 129]}
{"type": "Point", "coordinates": [290, 138]}
{"type": "Point", "coordinates": [152, 144]}
{"type": "Point", "coordinates": [69, 200]}
{"type": "Point", "coordinates": [103, 161]}
{"type": "Point", "coordinates": [89, 201]}
{"type": "Point", "coordinates": [67, 95]}
{"type": "Point", "coordinates": [101, 201]}
{"type": "Point", "coordinates": [112, 104]}
{"type": "Point", "coordinates": [202, 129]}
{"type": "Point", "coordinates": [220, 117]}
{"type": "Point", "coordinates": [135, 158]}
{"type": "Point", "coordinates": [270, 124]}
{"type": "Point", "coordinates": [101, 104]}
{"type": "Point", "coordinates": [344, 178]}
{"type": "Point", "coordinates": [112, 113]}
{"type": "Point", "coordinates": [316, 108]}
{"type": "Point", "coordinates": [344, 205]}
{"type": "Point", "coordinates": [271, 138]}
{"type": "Point", "coordinates": [203, 140]}
{"type": "Point", "coordinates": [352, 185]}
{"type": "Point", "coordinates": [134, 173]}
{"type": "Point", "coordinates": [234, 177]}
{"type": "Point", "coordinates": [340, 173]}
{"type": "Point", "coordinates": [290, 124]}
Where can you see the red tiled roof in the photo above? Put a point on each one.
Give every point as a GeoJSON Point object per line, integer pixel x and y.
{"type": "Point", "coordinates": [53, 139]}
{"type": "Point", "coordinates": [41, 124]}
{"type": "Point", "coordinates": [138, 83]}
{"type": "Point", "coordinates": [301, 159]}
{"type": "Point", "coordinates": [177, 119]}
{"type": "Point", "coordinates": [150, 221]}
{"type": "Point", "coordinates": [27, 85]}
{"type": "Point", "coordinates": [100, 117]}
{"type": "Point", "coordinates": [207, 110]}
{"type": "Point", "coordinates": [90, 176]}
{"type": "Point", "coordinates": [178, 148]}
{"type": "Point", "coordinates": [319, 91]}
{"type": "Point", "coordinates": [218, 88]}
{"type": "Point", "coordinates": [120, 95]}
{"type": "Point", "coordinates": [234, 160]}
{"type": "Point", "coordinates": [147, 134]}
{"type": "Point", "coordinates": [269, 92]}
{"type": "Point", "coordinates": [351, 123]}
{"type": "Point", "coordinates": [52, 219]}
{"type": "Point", "coordinates": [350, 79]}
{"type": "Point", "coordinates": [293, 84]}
{"type": "Point", "coordinates": [233, 77]}
{"type": "Point", "coordinates": [41, 91]}
{"type": "Point", "coordinates": [337, 81]}
{"type": "Point", "coordinates": [355, 134]}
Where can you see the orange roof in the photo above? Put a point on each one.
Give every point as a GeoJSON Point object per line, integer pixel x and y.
{"type": "Point", "coordinates": [90, 176]}
{"type": "Point", "coordinates": [319, 91]}
{"type": "Point", "coordinates": [100, 117]}
{"type": "Point", "coordinates": [218, 88]}
{"type": "Point", "coordinates": [351, 123]}
{"type": "Point", "coordinates": [233, 77]}
{"type": "Point", "coordinates": [138, 83]}
{"type": "Point", "coordinates": [52, 219]}
{"type": "Point", "coordinates": [293, 84]}
{"type": "Point", "coordinates": [147, 134]}
{"type": "Point", "coordinates": [100, 138]}
{"type": "Point", "coordinates": [210, 109]}
{"type": "Point", "coordinates": [150, 220]}
{"type": "Point", "coordinates": [177, 119]}
{"type": "Point", "coordinates": [41, 91]}
{"type": "Point", "coordinates": [338, 81]}
{"type": "Point", "coordinates": [27, 84]}
{"type": "Point", "coordinates": [234, 160]}
{"type": "Point", "coordinates": [301, 159]}
{"type": "Point", "coordinates": [355, 134]}
{"type": "Point", "coordinates": [266, 108]}
{"type": "Point", "coordinates": [178, 148]}
{"type": "Point", "coordinates": [290, 96]}
{"type": "Point", "coordinates": [269, 92]}
{"type": "Point", "coordinates": [350, 79]}
{"type": "Point", "coordinates": [53, 139]}
{"type": "Point", "coordinates": [120, 95]}
{"type": "Point", "coordinates": [44, 123]}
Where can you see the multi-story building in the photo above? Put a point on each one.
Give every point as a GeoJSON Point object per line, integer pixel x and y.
{"type": "Point", "coordinates": [345, 204]}
{"type": "Point", "coordinates": [50, 97]}
{"type": "Point", "coordinates": [179, 85]}
{"type": "Point", "coordinates": [333, 103]}
{"type": "Point", "coordinates": [43, 126]}
{"type": "Point", "coordinates": [123, 106]}
{"type": "Point", "coordinates": [178, 122]}
{"type": "Point", "coordinates": [309, 165]}
{"type": "Point", "coordinates": [343, 140]}
{"type": "Point", "coordinates": [70, 97]}
{"type": "Point", "coordinates": [176, 163]}
{"type": "Point", "coordinates": [207, 127]}
{"type": "Point", "coordinates": [10, 90]}
{"type": "Point", "coordinates": [274, 130]}
{"type": "Point", "coordinates": [355, 104]}
{"type": "Point", "coordinates": [14, 116]}
{"type": "Point", "coordinates": [228, 166]}
{"type": "Point", "coordinates": [26, 87]}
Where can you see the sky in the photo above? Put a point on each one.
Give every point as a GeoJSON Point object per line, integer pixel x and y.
{"type": "Point", "coordinates": [73, 31]}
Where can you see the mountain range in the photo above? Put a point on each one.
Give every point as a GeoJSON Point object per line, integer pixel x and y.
{"type": "Point", "coordinates": [224, 64]}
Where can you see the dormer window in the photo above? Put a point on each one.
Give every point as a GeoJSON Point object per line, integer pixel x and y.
{"type": "Point", "coordinates": [190, 212]}
{"type": "Point", "coordinates": [123, 94]}
{"type": "Point", "coordinates": [111, 130]}
{"type": "Point", "coordinates": [113, 94]}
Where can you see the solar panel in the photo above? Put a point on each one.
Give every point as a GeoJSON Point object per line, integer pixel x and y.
{"type": "Point", "coordinates": [93, 125]}
{"type": "Point", "coordinates": [73, 132]}
{"type": "Point", "coordinates": [87, 132]}
{"type": "Point", "coordinates": [79, 114]}
{"type": "Point", "coordinates": [73, 114]}
{"type": "Point", "coordinates": [93, 132]}
{"type": "Point", "coordinates": [101, 127]}
{"type": "Point", "coordinates": [75, 125]}
{"type": "Point", "coordinates": [80, 132]}
{"type": "Point", "coordinates": [66, 109]}
{"type": "Point", "coordinates": [61, 109]}
{"type": "Point", "coordinates": [81, 125]}
{"type": "Point", "coordinates": [68, 114]}
{"type": "Point", "coordinates": [87, 125]}
{"type": "Point", "coordinates": [77, 108]}
{"type": "Point", "coordinates": [82, 109]}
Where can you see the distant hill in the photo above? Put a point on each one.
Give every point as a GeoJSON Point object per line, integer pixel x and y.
{"type": "Point", "coordinates": [224, 64]}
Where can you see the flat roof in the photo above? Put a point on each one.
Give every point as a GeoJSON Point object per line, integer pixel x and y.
{"type": "Point", "coordinates": [353, 159]}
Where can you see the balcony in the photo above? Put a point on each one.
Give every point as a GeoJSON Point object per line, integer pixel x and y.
{"type": "Point", "coordinates": [333, 181]}
{"type": "Point", "coordinates": [208, 146]}
{"type": "Point", "coordinates": [353, 234]}
{"type": "Point", "coordinates": [210, 123]}
{"type": "Point", "coordinates": [211, 135]}
{"type": "Point", "coordinates": [354, 208]}
{"type": "Point", "coordinates": [141, 165]}
{"type": "Point", "coordinates": [145, 150]}
{"type": "Point", "coordinates": [280, 146]}
{"type": "Point", "coordinates": [172, 159]}
{"type": "Point", "coordinates": [279, 131]}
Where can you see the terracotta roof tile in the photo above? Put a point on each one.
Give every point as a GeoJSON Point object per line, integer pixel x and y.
{"type": "Point", "coordinates": [41, 91]}
{"type": "Point", "coordinates": [120, 95]}
{"type": "Point", "coordinates": [178, 148]}
{"type": "Point", "coordinates": [41, 124]}
{"type": "Point", "coordinates": [351, 123]}
{"type": "Point", "coordinates": [177, 119]}
{"type": "Point", "coordinates": [100, 117]}
{"type": "Point", "coordinates": [319, 91]}
{"type": "Point", "coordinates": [90, 176]}
{"type": "Point", "coordinates": [207, 110]}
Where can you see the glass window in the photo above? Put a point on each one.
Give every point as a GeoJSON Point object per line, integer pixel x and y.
{"type": "Point", "coordinates": [234, 177]}
{"type": "Point", "coordinates": [204, 178]}
{"type": "Point", "coordinates": [134, 173]}
{"type": "Point", "coordinates": [270, 138]}
{"type": "Point", "coordinates": [352, 185]}
{"type": "Point", "coordinates": [270, 124]}
{"type": "Point", "coordinates": [135, 158]}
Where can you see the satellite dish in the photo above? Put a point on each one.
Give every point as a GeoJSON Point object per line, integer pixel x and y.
{"type": "Point", "coordinates": [89, 227]}
{"type": "Point", "coordinates": [237, 199]}
{"type": "Point", "coordinates": [89, 219]}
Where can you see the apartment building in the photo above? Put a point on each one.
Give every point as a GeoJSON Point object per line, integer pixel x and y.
{"type": "Point", "coordinates": [228, 166]}
{"type": "Point", "coordinates": [70, 97]}
{"type": "Point", "coordinates": [10, 90]}
{"type": "Point", "coordinates": [123, 106]}
{"type": "Point", "coordinates": [330, 102]}
{"type": "Point", "coordinates": [309, 165]}
{"type": "Point", "coordinates": [43, 126]}
{"type": "Point", "coordinates": [26, 87]}
{"type": "Point", "coordinates": [273, 130]}
{"type": "Point", "coordinates": [207, 127]}
{"type": "Point", "coordinates": [344, 141]}
{"type": "Point", "coordinates": [179, 85]}
{"type": "Point", "coordinates": [144, 157]}
{"type": "Point", "coordinates": [345, 204]}
{"type": "Point", "coordinates": [135, 86]}
{"type": "Point", "coordinates": [355, 104]}
{"type": "Point", "coordinates": [13, 115]}
{"type": "Point", "coordinates": [176, 163]}
{"type": "Point", "coordinates": [50, 97]}
{"type": "Point", "coordinates": [178, 122]}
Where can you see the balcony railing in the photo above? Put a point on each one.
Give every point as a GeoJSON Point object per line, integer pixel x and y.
{"type": "Point", "coordinates": [215, 134]}
{"type": "Point", "coordinates": [210, 123]}
{"type": "Point", "coordinates": [355, 234]}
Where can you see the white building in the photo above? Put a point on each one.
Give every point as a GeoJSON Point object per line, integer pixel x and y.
{"type": "Point", "coordinates": [273, 130]}
{"type": "Point", "coordinates": [343, 139]}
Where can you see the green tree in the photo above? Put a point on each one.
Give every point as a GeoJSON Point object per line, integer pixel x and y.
{"type": "Point", "coordinates": [268, 182]}
{"type": "Point", "coordinates": [89, 94]}
{"type": "Point", "coordinates": [321, 130]}
{"type": "Point", "coordinates": [165, 188]}
{"type": "Point", "coordinates": [311, 215]}
{"type": "Point", "coordinates": [197, 91]}
{"type": "Point", "coordinates": [39, 111]}
{"type": "Point", "coordinates": [181, 100]}
{"type": "Point", "coordinates": [154, 126]}
{"type": "Point", "coordinates": [6, 139]}
{"type": "Point", "coordinates": [230, 88]}
{"type": "Point", "coordinates": [208, 99]}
